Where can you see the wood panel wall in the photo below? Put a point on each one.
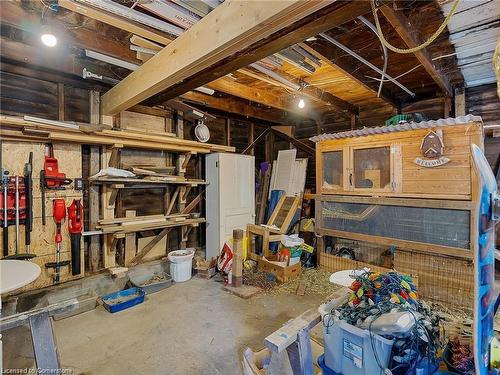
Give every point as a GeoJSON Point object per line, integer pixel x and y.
{"type": "Point", "coordinates": [483, 101]}
{"type": "Point", "coordinates": [23, 95]}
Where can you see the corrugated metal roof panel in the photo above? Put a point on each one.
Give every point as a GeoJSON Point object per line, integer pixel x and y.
{"type": "Point", "coordinates": [398, 128]}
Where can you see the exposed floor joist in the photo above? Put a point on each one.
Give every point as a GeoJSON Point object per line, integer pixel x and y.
{"type": "Point", "coordinates": [116, 21]}
{"type": "Point", "coordinates": [347, 71]}
{"type": "Point", "coordinates": [309, 90]}
{"type": "Point", "coordinates": [15, 15]}
{"type": "Point", "coordinates": [236, 106]}
{"type": "Point", "coordinates": [256, 95]}
{"type": "Point", "coordinates": [238, 34]}
{"type": "Point", "coordinates": [402, 26]}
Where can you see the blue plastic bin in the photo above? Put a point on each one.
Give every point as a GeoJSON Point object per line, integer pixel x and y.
{"type": "Point", "coordinates": [123, 299]}
{"type": "Point", "coordinates": [349, 350]}
{"type": "Point", "coordinates": [324, 368]}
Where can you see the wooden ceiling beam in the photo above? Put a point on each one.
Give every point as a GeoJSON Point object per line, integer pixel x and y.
{"type": "Point", "coordinates": [237, 106]}
{"type": "Point", "coordinates": [232, 36]}
{"type": "Point", "coordinates": [325, 19]}
{"type": "Point", "coordinates": [323, 96]}
{"type": "Point", "coordinates": [309, 91]}
{"type": "Point", "coordinates": [116, 21]}
{"type": "Point", "coordinates": [13, 14]}
{"type": "Point", "coordinates": [261, 96]}
{"type": "Point", "coordinates": [402, 26]}
{"type": "Point", "coordinates": [347, 70]}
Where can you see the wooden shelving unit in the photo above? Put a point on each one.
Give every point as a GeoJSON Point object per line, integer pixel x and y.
{"type": "Point", "coordinates": [175, 199]}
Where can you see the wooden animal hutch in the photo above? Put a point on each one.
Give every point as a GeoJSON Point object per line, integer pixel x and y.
{"type": "Point", "coordinates": [402, 197]}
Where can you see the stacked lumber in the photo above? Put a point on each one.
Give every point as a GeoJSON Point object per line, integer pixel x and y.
{"type": "Point", "coordinates": [43, 130]}
{"type": "Point", "coordinates": [169, 169]}
{"type": "Point", "coordinates": [146, 180]}
{"type": "Point", "coordinates": [142, 223]}
{"type": "Point", "coordinates": [150, 175]}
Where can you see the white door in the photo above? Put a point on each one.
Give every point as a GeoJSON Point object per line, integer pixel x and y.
{"type": "Point", "coordinates": [237, 193]}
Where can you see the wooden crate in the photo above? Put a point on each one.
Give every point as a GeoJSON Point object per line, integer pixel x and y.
{"type": "Point", "coordinates": [283, 274]}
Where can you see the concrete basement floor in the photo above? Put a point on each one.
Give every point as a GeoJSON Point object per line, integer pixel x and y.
{"type": "Point", "coordinates": [190, 328]}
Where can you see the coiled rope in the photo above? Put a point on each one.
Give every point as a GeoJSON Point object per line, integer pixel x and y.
{"type": "Point", "coordinates": [421, 46]}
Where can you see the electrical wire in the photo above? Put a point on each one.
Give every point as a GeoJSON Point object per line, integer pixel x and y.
{"type": "Point", "coordinates": [420, 65]}
{"type": "Point", "coordinates": [384, 49]}
{"type": "Point", "coordinates": [421, 46]}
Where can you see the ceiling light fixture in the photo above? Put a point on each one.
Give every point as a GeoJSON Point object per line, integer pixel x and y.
{"type": "Point", "coordinates": [49, 39]}
{"type": "Point", "coordinates": [301, 104]}
{"type": "Point", "coordinates": [46, 35]}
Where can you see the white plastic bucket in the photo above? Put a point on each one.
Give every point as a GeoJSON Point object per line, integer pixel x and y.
{"type": "Point", "coordinates": [181, 264]}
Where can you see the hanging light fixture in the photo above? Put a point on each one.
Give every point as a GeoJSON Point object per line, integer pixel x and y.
{"type": "Point", "coordinates": [301, 103]}
{"type": "Point", "coordinates": [46, 35]}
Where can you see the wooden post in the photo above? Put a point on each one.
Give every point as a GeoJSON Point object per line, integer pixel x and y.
{"type": "Point", "coordinates": [181, 198]}
{"type": "Point", "coordinates": [130, 244]}
{"type": "Point", "coordinates": [238, 257]}
{"type": "Point", "coordinates": [93, 203]}
{"type": "Point", "coordinates": [270, 147]}
{"type": "Point", "coordinates": [109, 158]}
{"type": "Point", "coordinates": [447, 107]}
{"type": "Point", "coordinates": [228, 132]}
{"type": "Point", "coordinates": [251, 137]}
{"type": "Point", "coordinates": [459, 102]}
{"type": "Point", "coordinates": [354, 121]}
{"type": "Point", "coordinates": [60, 101]}
{"type": "Point", "coordinates": [168, 162]}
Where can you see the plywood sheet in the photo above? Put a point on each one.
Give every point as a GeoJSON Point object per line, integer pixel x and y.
{"type": "Point", "coordinates": [15, 155]}
{"type": "Point", "coordinates": [159, 250]}
{"type": "Point", "coordinates": [142, 122]}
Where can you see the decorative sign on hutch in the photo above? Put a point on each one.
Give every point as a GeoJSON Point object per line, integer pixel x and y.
{"type": "Point", "coordinates": [432, 149]}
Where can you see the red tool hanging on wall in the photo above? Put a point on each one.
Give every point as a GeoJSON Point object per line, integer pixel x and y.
{"type": "Point", "coordinates": [50, 177]}
{"type": "Point", "coordinates": [59, 214]}
{"type": "Point", "coordinates": [75, 228]}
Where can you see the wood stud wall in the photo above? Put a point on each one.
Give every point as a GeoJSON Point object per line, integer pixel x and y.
{"type": "Point", "coordinates": [54, 100]}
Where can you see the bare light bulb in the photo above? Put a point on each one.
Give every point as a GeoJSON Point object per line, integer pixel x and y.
{"type": "Point", "coordinates": [301, 103]}
{"type": "Point", "coordinates": [49, 39]}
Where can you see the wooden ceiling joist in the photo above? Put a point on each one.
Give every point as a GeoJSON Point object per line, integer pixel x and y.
{"type": "Point", "coordinates": [261, 96]}
{"type": "Point", "coordinates": [347, 71]}
{"type": "Point", "coordinates": [316, 93]}
{"type": "Point", "coordinates": [141, 42]}
{"type": "Point", "coordinates": [239, 107]}
{"type": "Point", "coordinates": [325, 19]}
{"type": "Point", "coordinates": [116, 21]}
{"type": "Point", "coordinates": [244, 32]}
{"type": "Point", "coordinates": [15, 15]}
{"type": "Point", "coordinates": [402, 26]}
{"type": "Point", "coordinates": [309, 91]}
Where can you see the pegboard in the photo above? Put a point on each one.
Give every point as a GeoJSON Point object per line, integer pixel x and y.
{"type": "Point", "coordinates": [69, 156]}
